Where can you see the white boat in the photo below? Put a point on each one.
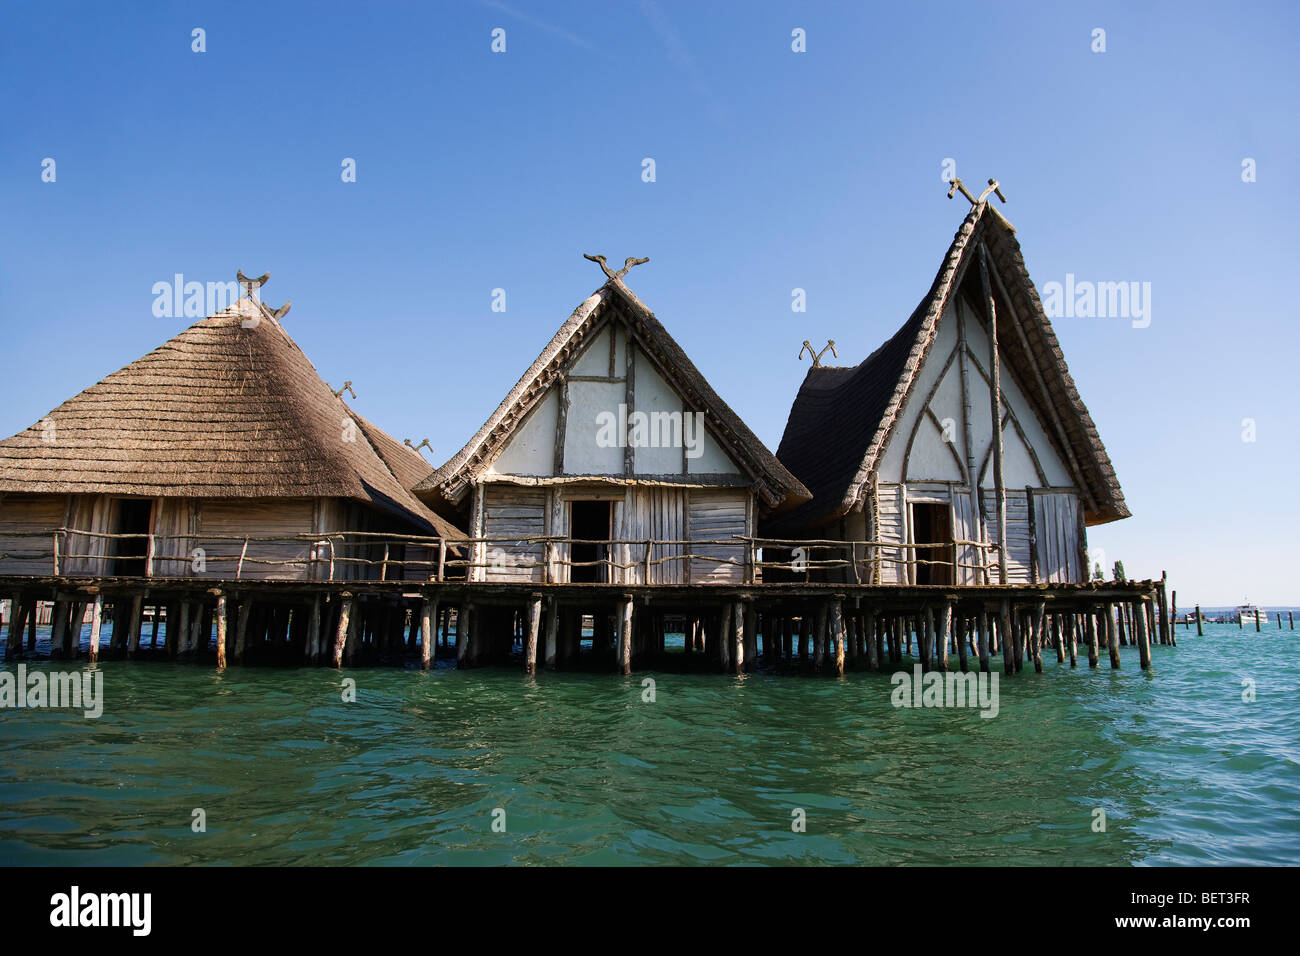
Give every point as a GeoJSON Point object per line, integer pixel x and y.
{"type": "Point", "coordinates": [1246, 614]}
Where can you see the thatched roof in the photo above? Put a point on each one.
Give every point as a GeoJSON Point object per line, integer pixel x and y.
{"type": "Point", "coordinates": [776, 487]}
{"type": "Point", "coordinates": [842, 417]}
{"type": "Point", "coordinates": [219, 411]}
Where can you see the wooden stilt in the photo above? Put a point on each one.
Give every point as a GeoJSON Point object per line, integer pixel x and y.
{"type": "Point", "coordinates": [462, 634]}
{"type": "Point", "coordinates": [805, 627]}
{"type": "Point", "coordinates": [625, 636]}
{"type": "Point", "coordinates": [982, 630]}
{"type": "Point", "coordinates": [738, 637]}
{"type": "Point", "coordinates": [534, 624]}
{"type": "Point", "coordinates": [751, 635]}
{"type": "Point", "coordinates": [221, 633]}
{"type": "Point", "coordinates": [1143, 639]}
{"type": "Point", "coordinates": [837, 632]}
{"type": "Point", "coordinates": [96, 616]}
{"type": "Point", "coordinates": [1112, 636]}
{"type": "Point", "coordinates": [136, 625]}
{"type": "Point", "coordinates": [241, 628]}
{"type": "Point", "coordinates": [344, 628]}
{"type": "Point", "coordinates": [1037, 635]}
{"type": "Point", "coordinates": [961, 624]}
{"type": "Point", "coordinates": [819, 638]}
{"type": "Point", "coordinates": [869, 638]}
{"type": "Point", "coordinates": [1071, 638]}
{"type": "Point", "coordinates": [1004, 633]}
{"type": "Point", "coordinates": [58, 624]}
{"type": "Point", "coordinates": [428, 631]}
{"type": "Point", "coordinates": [551, 652]}
{"type": "Point", "coordinates": [14, 644]}
{"type": "Point", "coordinates": [943, 625]}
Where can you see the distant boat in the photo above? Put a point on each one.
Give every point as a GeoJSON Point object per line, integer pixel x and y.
{"type": "Point", "coordinates": [1247, 612]}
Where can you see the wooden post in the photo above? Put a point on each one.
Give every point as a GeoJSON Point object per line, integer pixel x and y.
{"type": "Point", "coordinates": [180, 644]}
{"type": "Point", "coordinates": [995, 400]}
{"type": "Point", "coordinates": [552, 633]}
{"type": "Point", "coordinates": [96, 617]}
{"type": "Point", "coordinates": [819, 638]}
{"type": "Point", "coordinates": [14, 644]}
{"type": "Point", "coordinates": [1256, 620]}
{"type": "Point", "coordinates": [982, 635]}
{"type": "Point", "coordinates": [1072, 638]}
{"type": "Point", "coordinates": [837, 631]}
{"type": "Point", "coordinates": [1112, 636]}
{"type": "Point", "coordinates": [428, 634]}
{"type": "Point", "coordinates": [221, 633]}
{"type": "Point", "coordinates": [58, 625]}
{"type": "Point", "coordinates": [344, 628]}
{"type": "Point", "coordinates": [944, 625]}
{"type": "Point", "coordinates": [625, 636]}
{"type": "Point", "coordinates": [751, 635]}
{"type": "Point", "coordinates": [314, 639]}
{"type": "Point", "coordinates": [805, 626]}
{"type": "Point", "coordinates": [137, 623]}
{"type": "Point", "coordinates": [925, 637]}
{"type": "Point", "coordinates": [1008, 645]}
{"type": "Point", "coordinates": [241, 627]}
{"type": "Point", "coordinates": [1090, 634]}
{"type": "Point", "coordinates": [1143, 639]}
{"type": "Point", "coordinates": [738, 637]}
{"type": "Point", "coordinates": [869, 638]}
{"type": "Point", "coordinates": [462, 634]}
{"type": "Point", "coordinates": [534, 624]}
{"type": "Point", "coordinates": [1037, 635]}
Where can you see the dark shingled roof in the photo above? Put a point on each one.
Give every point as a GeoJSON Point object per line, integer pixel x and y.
{"type": "Point", "coordinates": [777, 488]}
{"type": "Point", "coordinates": [226, 409]}
{"type": "Point", "coordinates": [841, 417]}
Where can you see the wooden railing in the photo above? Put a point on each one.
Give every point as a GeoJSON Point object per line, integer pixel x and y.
{"type": "Point", "coordinates": [619, 560]}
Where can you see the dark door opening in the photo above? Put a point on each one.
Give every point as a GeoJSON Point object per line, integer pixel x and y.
{"type": "Point", "coordinates": [590, 521]}
{"type": "Point", "coordinates": [130, 516]}
{"type": "Point", "coordinates": [932, 524]}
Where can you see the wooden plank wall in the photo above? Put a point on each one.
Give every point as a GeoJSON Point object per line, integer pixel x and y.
{"type": "Point", "coordinates": [513, 512]}
{"type": "Point", "coordinates": [1018, 547]}
{"type": "Point", "coordinates": [256, 517]}
{"type": "Point", "coordinates": [658, 513]}
{"type": "Point", "coordinates": [717, 515]}
{"type": "Point", "coordinates": [1056, 523]}
{"type": "Point", "coordinates": [27, 513]}
{"type": "Point", "coordinates": [890, 525]}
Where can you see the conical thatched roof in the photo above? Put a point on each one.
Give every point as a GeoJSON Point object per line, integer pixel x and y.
{"type": "Point", "coordinates": [775, 486]}
{"type": "Point", "coordinates": [229, 408]}
{"type": "Point", "coordinates": [842, 417]}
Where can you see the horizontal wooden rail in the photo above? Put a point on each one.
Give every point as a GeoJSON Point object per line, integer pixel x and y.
{"type": "Point", "coordinates": [324, 553]}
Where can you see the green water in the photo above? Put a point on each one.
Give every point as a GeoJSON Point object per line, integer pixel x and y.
{"type": "Point", "coordinates": [587, 772]}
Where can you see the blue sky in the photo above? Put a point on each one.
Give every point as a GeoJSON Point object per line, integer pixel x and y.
{"type": "Point", "coordinates": [774, 170]}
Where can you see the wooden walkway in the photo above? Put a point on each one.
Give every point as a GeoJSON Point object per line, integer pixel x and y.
{"type": "Point", "coordinates": [732, 628]}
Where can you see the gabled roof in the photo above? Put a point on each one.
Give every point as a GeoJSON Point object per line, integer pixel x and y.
{"type": "Point", "coordinates": [229, 408]}
{"type": "Point", "coordinates": [841, 417]}
{"type": "Point", "coordinates": [776, 487]}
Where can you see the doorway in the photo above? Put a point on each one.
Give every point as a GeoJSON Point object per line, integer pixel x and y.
{"type": "Point", "coordinates": [590, 521]}
{"type": "Point", "coordinates": [932, 524]}
{"type": "Point", "coordinates": [130, 516]}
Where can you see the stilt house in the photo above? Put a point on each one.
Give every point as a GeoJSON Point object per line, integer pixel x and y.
{"type": "Point", "coordinates": [901, 449]}
{"type": "Point", "coordinates": [220, 454]}
{"type": "Point", "coordinates": [612, 460]}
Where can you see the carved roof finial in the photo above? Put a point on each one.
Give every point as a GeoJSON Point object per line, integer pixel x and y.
{"type": "Point", "coordinates": [627, 265]}
{"type": "Point", "coordinates": [957, 185]}
{"type": "Point", "coordinates": [817, 356]}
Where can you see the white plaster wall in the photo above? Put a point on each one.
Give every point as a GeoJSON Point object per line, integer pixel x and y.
{"type": "Point", "coordinates": [929, 458]}
{"type": "Point", "coordinates": [594, 360]}
{"type": "Point", "coordinates": [531, 451]}
{"type": "Point", "coordinates": [653, 394]}
{"type": "Point", "coordinates": [582, 456]}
